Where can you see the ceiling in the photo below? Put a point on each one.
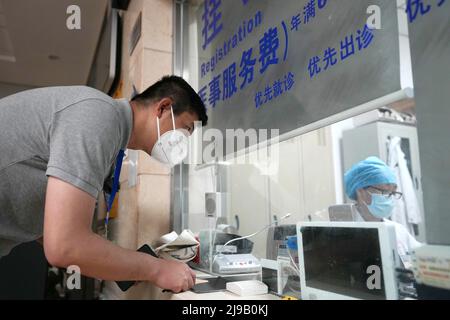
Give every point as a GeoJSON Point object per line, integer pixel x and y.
{"type": "Point", "coordinates": [36, 47]}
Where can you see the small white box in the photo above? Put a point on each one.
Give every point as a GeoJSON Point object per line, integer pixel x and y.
{"type": "Point", "coordinates": [247, 288]}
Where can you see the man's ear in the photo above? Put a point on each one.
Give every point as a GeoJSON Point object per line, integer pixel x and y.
{"type": "Point", "coordinates": [163, 105]}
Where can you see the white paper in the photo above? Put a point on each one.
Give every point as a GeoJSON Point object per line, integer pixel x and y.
{"type": "Point", "coordinates": [181, 247]}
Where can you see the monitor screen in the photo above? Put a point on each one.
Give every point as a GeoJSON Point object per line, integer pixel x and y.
{"type": "Point", "coordinates": [337, 260]}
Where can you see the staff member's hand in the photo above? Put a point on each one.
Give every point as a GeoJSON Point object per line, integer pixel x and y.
{"type": "Point", "coordinates": [174, 276]}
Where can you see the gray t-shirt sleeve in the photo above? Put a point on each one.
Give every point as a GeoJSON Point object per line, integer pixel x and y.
{"type": "Point", "coordinates": [84, 140]}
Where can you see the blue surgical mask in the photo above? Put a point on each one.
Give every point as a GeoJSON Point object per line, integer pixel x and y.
{"type": "Point", "coordinates": [381, 206]}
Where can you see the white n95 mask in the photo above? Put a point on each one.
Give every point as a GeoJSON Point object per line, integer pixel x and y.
{"type": "Point", "coordinates": [171, 147]}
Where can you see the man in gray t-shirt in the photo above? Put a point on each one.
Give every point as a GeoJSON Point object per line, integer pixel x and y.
{"type": "Point", "coordinates": [58, 146]}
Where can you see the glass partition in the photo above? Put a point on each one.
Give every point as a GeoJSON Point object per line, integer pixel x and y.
{"type": "Point", "coordinates": [300, 175]}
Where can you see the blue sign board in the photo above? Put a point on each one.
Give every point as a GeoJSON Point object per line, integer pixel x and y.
{"type": "Point", "coordinates": [285, 64]}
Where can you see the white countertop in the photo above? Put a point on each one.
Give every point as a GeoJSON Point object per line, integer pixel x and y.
{"type": "Point", "coordinates": [220, 295]}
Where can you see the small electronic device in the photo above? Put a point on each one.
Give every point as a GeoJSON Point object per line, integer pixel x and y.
{"type": "Point", "coordinates": [347, 260]}
{"type": "Point", "coordinates": [247, 288]}
{"type": "Point", "coordinates": [239, 263]}
{"type": "Point", "coordinates": [125, 285]}
{"type": "Point", "coordinates": [431, 267]}
{"type": "Point", "coordinates": [236, 263]}
{"type": "Point", "coordinates": [276, 239]}
{"type": "Point", "coordinates": [342, 212]}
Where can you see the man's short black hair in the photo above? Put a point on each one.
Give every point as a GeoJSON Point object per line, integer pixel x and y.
{"type": "Point", "coordinates": [184, 96]}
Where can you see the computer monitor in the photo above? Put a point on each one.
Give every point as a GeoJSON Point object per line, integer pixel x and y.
{"type": "Point", "coordinates": [347, 260]}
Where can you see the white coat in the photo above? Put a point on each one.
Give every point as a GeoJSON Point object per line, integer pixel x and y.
{"type": "Point", "coordinates": [407, 209]}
